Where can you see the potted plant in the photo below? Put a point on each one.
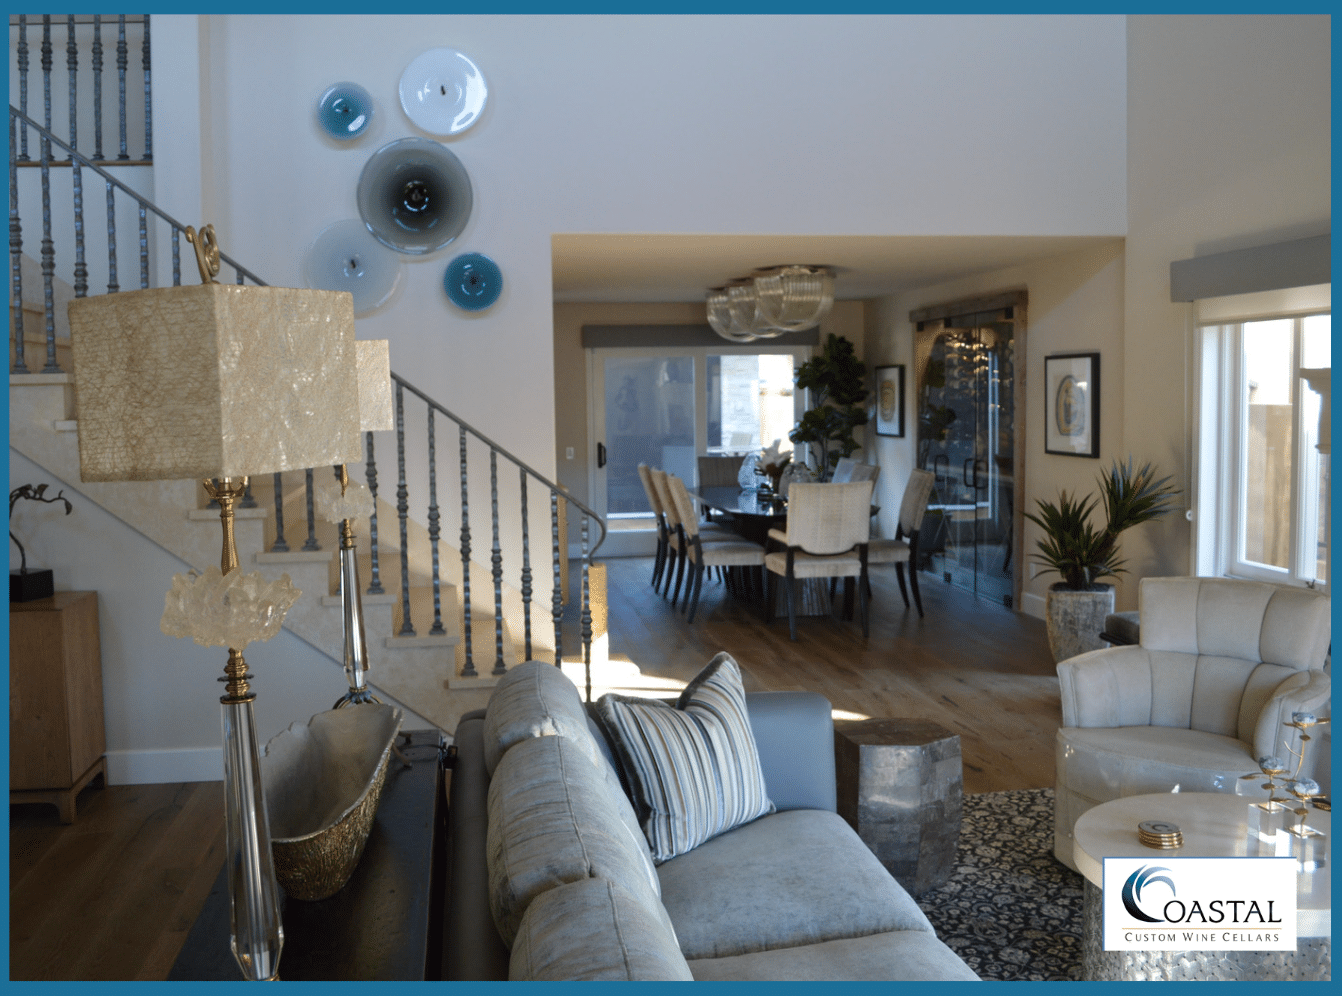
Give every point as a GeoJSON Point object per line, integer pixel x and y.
{"type": "Point", "coordinates": [1077, 605]}
{"type": "Point", "coordinates": [836, 380]}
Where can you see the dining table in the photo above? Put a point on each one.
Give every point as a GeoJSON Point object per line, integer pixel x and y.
{"type": "Point", "coordinates": [752, 515]}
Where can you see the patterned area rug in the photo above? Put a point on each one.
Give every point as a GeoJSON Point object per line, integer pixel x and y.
{"type": "Point", "coordinates": [1010, 909]}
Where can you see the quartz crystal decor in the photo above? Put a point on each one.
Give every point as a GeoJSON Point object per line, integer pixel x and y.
{"type": "Point", "coordinates": [227, 610]}
{"type": "Point", "coordinates": [355, 503]}
{"type": "Point", "coordinates": [214, 380]}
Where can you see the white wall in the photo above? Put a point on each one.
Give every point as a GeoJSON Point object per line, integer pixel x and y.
{"type": "Point", "coordinates": [1229, 139]}
{"type": "Point", "coordinates": [655, 124]}
{"type": "Point", "coordinates": [160, 693]}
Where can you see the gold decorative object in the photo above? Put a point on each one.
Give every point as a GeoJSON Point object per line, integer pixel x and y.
{"type": "Point", "coordinates": [221, 382]}
{"type": "Point", "coordinates": [324, 779]}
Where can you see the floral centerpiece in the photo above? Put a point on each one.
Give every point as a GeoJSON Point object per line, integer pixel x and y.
{"type": "Point", "coordinates": [772, 462]}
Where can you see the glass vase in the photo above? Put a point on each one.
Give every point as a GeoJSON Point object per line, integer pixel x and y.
{"type": "Point", "coordinates": [254, 906]}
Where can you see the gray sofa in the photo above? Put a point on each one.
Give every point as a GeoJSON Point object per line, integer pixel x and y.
{"type": "Point", "coordinates": [551, 877]}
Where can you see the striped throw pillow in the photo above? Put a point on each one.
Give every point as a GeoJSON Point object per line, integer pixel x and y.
{"type": "Point", "coordinates": [692, 769]}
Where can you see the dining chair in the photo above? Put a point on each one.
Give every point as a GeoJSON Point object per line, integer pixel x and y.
{"type": "Point", "coordinates": [848, 470]}
{"type": "Point", "coordinates": [903, 549]}
{"type": "Point", "coordinates": [707, 551]}
{"type": "Point", "coordinates": [663, 531]}
{"type": "Point", "coordinates": [719, 471]}
{"type": "Point", "coordinates": [828, 528]}
{"type": "Point", "coordinates": [676, 542]}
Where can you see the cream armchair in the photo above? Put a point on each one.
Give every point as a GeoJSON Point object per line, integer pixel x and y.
{"type": "Point", "coordinates": [1221, 667]}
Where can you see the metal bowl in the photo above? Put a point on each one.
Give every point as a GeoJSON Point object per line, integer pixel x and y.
{"type": "Point", "coordinates": [323, 780]}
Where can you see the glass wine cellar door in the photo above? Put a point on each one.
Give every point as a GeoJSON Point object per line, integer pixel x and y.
{"type": "Point", "coordinates": [966, 437]}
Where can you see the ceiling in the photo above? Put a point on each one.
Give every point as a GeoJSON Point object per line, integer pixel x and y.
{"type": "Point", "coordinates": [653, 268]}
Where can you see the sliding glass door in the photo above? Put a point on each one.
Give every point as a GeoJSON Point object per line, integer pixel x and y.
{"type": "Point", "coordinates": [667, 407]}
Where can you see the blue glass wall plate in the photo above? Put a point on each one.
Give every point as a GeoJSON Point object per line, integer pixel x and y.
{"type": "Point", "coordinates": [345, 110]}
{"type": "Point", "coordinates": [414, 195]}
{"type": "Point", "coordinates": [442, 91]}
{"type": "Point", "coordinates": [473, 281]}
{"type": "Point", "coordinates": [346, 257]}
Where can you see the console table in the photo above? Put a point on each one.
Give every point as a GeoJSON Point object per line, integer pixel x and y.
{"type": "Point", "coordinates": [386, 923]}
{"type": "Point", "coordinates": [57, 742]}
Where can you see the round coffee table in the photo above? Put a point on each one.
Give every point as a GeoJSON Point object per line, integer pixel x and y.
{"type": "Point", "coordinates": [1214, 826]}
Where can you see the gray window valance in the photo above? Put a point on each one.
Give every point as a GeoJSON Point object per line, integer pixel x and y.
{"type": "Point", "coordinates": [1298, 263]}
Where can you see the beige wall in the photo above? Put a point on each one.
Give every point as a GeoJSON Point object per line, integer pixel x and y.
{"type": "Point", "coordinates": [1228, 146]}
{"type": "Point", "coordinates": [570, 364]}
{"type": "Point", "coordinates": [1075, 305]}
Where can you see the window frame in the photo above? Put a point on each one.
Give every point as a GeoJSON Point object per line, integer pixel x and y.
{"type": "Point", "coordinates": [1222, 445]}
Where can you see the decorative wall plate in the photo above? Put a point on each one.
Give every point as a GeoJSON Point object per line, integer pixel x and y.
{"type": "Point", "coordinates": [346, 257]}
{"type": "Point", "coordinates": [442, 91]}
{"type": "Point", "coordinates": [473, 281]}
{"type": "Point", "coordinates": [414, 195]}
{"type": "Point", "coordinates": [345, 110]}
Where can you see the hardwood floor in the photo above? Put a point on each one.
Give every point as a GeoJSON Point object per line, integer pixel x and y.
{"type": "Point", "coordinates": [976, 668]}
{"type": "Point", "coordinates": [113, 896]}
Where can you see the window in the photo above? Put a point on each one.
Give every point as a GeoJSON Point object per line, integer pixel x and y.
{"type": "Point", "coordinates": [1263, 484]}
{"type": "Point", "coordinates": [667, 406]}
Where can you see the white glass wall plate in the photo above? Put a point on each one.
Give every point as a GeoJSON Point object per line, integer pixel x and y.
{"type": "Point", "coordinates": [443, 92]}
{"type": "Point", "coordinates": [346, 257]}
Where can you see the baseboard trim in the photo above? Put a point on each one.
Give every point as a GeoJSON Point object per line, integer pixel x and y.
{"type": "Point", "coordinates": [156, 767]}
{"type": "Point", "coordinates": [1032, 605]}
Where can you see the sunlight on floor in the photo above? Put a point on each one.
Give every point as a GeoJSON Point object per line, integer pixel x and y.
{"type": "Point", "coordinates": [845, 714]}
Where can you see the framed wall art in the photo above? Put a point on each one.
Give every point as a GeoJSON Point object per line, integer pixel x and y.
{"type": "Point", "coordinates": [890, 400]}
{"type": "Point", "coordinates": [1072, 404]}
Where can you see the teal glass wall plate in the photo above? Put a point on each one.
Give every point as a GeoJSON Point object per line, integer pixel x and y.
{"type": "Point", "coordinates": [473, 281]}
{"type": "Point", "coordinates": [345, 111]}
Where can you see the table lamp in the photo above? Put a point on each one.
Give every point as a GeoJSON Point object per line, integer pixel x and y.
{"type": "Point", "coordinates": [355, 501]}
{"type": "Point", "coordinates": [219, 382]}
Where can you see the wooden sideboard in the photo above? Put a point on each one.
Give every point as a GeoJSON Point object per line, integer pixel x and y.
{"type": "Point", "coordinates": [57, 741]}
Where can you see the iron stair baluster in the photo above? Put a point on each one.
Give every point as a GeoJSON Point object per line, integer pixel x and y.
{"type": "Point", "coordinates": [496, 560]}
{"type": "Point", "coordinates": [370, 473]}
{"type": "Point", "coordinates": [437, 628]}
{"type": "Point", "coordinates": [122, 62]}
{"type": "Point", "coordinates": [557, 604]}
{"type": "Point", "coordinates": [15, 254]}
{"type": "Point", "coordinates": [469, 670]}
{"type": "Point", "coordinates": [280, 545]}
{"type": "Point", "coordinates": [311, 544]}
{"type": "Point", "coordinates": [526, 568]}
{"type": "Point", "coordinates": [403, 511]}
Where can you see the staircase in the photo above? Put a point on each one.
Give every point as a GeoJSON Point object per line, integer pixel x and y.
{"type": "Point", "coordinates": [438, 638]}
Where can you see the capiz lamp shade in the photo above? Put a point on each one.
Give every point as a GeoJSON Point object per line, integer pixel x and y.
{"type": "Point", "coordinates": [216, 380]}
{"type": "Point", "coordinates": [221, 382]}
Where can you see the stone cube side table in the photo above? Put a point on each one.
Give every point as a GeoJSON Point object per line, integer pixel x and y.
{"type": "Point", "coordinates": [900, 786]}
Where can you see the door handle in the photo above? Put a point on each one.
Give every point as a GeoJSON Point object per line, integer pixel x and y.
{"type": "Point", "coordinates": [964, 472]}
{"type": "Point", "coordinates": [600, 455]}
{"type": "Point", "coordinates": [977, 485]}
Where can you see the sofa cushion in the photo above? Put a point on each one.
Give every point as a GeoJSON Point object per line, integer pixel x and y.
{"type": "Point", "coordinates": [554, 817]}
{"type": "Point", "coordinates": [894, 956]}
{"type": "Point", "coordinates": [595, 931]}
{"type": "Point", "coordinates": [693, 769]}
{"type": "Point", "coordinates": [533, 699]}
{"type": "Point", "coordinates": [800, 877]}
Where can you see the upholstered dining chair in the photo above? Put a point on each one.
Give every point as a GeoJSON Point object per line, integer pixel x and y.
{"type": "Point", "coordinates": [663, 530]}
{"type": "Point", "coordinates": [848, 470]}
{"type": "Point", "coordinates": [719, 472]}
{"type": "Point", "coordinates": [676, 542]}
{"type": "Point", "coordinates": [707, 550]}
{"type": "Point", "coordinates": [903, 549]}
{"type": "Point", "coordinates": [1221, 667]}
{"type": "Point", "coordinates": [828, 527]}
